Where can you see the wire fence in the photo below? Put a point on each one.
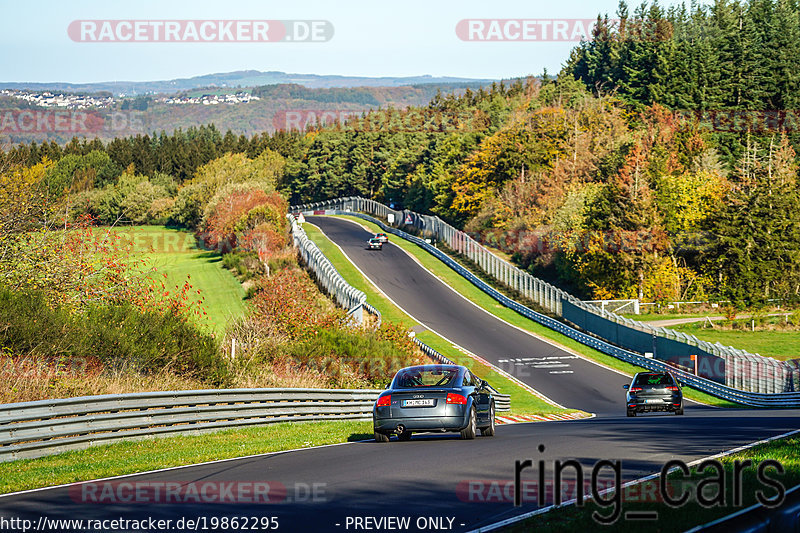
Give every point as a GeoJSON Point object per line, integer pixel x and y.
{"type": "Point", "coordinates": [330, 277]}
{"type": "Point", "coordinates": [725, 365]}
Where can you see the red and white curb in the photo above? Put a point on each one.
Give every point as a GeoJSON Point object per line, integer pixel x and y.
{"type": "Point", "coordinates": [516, 419]}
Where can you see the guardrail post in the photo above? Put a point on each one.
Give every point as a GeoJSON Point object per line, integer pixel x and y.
{"type": "Point", "coordinates": [744, 371]}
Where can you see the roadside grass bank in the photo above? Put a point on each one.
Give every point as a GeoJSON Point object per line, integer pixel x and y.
{"type": "Point", "coordinates": [475, 295]}
{"type": "Point", "coordinates": [647, 496]}
{"type": "Point", "coordinates": [133, 456]}
{"type": "Point", "coordinates": [522, 401]}
{"type": "Point", "coordinates": [174, 253]}
{"type": "Point", "coordinates": [782, 345]}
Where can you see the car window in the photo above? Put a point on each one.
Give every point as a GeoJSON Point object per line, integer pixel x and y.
{"type": "Point", "coordinates": [653, 379]}
{"type": "Point", "coordinates": [433, 377]}
{"type": "Point", "coordinates": [467, 379]}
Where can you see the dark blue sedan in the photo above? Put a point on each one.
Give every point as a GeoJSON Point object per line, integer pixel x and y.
{"type": "Point", "coordinates": [441, 398]}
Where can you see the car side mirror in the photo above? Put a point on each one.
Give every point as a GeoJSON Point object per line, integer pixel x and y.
{"type": "Point", "coordinates": [484, 384]}
{"type": "Point", "coordinates": [625, 386]}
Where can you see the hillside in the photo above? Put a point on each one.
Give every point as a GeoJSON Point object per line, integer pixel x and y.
{"type": "Point", "coordinates": [241, 78]}
{"type": "Point", "coordinates": [156, 113]}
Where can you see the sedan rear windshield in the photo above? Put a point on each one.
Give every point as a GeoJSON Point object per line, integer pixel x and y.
{"type": "Point", "coordinates": [653, 379]}
{"type": "Point", "coordinates": [416, 378]}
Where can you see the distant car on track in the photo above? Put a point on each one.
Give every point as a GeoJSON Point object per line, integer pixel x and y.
{"type": "Point", "coordinates": [374, 244]}
{"type": "Point", "coordinates": [439, 398]}
{"type": "Point", "coordinates": [654, 391]}
{"type": "Point", "coordinates": [382, 237]}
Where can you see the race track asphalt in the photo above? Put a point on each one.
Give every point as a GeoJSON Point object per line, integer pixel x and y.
{"type": "Point", "coordinates": [432, 480]}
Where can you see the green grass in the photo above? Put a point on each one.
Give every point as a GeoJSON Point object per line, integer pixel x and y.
{"type": "Point", "coordinates": [475, 295]}
{"type": "Point", "coordinates": [574, 518]}
{"type": "Point", "coordinates": [349, 272]}
{"type": "Point", "coordinates": [175, 253]}
{"type": "Point", "coordinates": [129, 457]}
{"type": "Point", "coordinates": [778, 344]}
{"type": "Point", "coordinates": [522, 402]}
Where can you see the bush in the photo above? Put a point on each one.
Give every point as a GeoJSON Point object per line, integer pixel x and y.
{"type": "Point", "coordinates": [120, 335]}
{"type": "Point", "coordinates": [350, 358]}
{"type": "Point", "coordinates": [245, 265]}
{"type": "Point", "coordinates": [290, 305]}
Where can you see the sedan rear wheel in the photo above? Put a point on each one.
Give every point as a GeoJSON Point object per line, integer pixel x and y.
{"type": "Point", "coordinates": [469, 431]}
{"type": "Point", "coordinates": [381, 437]}
{"type": "Point", "coordinates": [489, 430]}
{"type": "Point", "coordinates": [679, 411]}
{"type": "Point", "coordinates": [631, 412]}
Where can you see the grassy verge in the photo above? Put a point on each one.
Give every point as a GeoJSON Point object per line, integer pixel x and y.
{"type": "Point", "coordinates": [175, 254]}
{"type": "Point", "coordinates": [522, 402]}
{"type": "Point", "coordinates": [781, 345]}
{"type": "Point", "coordinates": [130, 457]}
{"type": "Point", "coordinates": [573, 518]}
{"type": "Point", "coordinates": [354, 277]}
{"type": "Point", "coordinates": [475, 295]}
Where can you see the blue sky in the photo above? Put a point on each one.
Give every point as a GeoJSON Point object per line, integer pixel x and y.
{"type": "Point", "coordinates": [372, 38]}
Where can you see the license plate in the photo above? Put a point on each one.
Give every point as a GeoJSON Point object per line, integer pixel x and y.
{"type": "Point", "coordinates": [653, 401]}
{"type": "Point", "coordinates": [418, 403]}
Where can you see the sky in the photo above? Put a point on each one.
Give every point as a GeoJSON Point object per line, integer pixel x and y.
{"type": "Point", "coordinates": [370, 38]}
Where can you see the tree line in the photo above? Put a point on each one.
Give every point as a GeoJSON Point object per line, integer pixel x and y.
{"type": "Point", "coordinates": [597, 180]}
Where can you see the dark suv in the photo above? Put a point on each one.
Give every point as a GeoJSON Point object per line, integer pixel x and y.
{"type": "Point", "coordinates": [654, 391]}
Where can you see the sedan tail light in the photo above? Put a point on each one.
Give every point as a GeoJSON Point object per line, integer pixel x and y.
{"type": "Point", "coordinates": [635, 389]}
{"type": "Point", "coordinates": [457, 399]}
{"type": "Point", "coordinates": [385, 401]}
{"type": "Point", "coordinates": [672, 387]}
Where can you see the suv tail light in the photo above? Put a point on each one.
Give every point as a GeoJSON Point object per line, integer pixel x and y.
{"type": "Point", "coordinates": [672, 387]}
{"type": "Point", "coordinates": [385, 401]}
{"type": "Point", "coordinates": [635, 389]}
{"type": "Point", "coordinates": [456, 399]}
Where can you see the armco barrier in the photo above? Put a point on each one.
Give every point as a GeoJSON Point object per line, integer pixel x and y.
{"type": "Point", "coordinates": [758, 518]}
{"type": "Point", "coordinates": [502, 401]}
{"type": "Point", "coordinates": [742, 370]}
{"type": "Point", "coordinates": [35, 429]}
{"type": "Point", "coordinates": [767, 379]}
{"type": "Point", "coordinates": [345, 295]}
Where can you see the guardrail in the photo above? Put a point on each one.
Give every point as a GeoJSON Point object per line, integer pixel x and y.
{"type": "Point", "coordinates": [345, 295]}
{"type": "Point", "coordinates": [44, 427]}
{"type": "Point", "coordinates": [758, 518]}
{"type": "Point", "coordinates": [733, 367]}
{"type": "Point", "coordinates": [778, 399]}
{"type": "Point", "coordinates": [502, 401]}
